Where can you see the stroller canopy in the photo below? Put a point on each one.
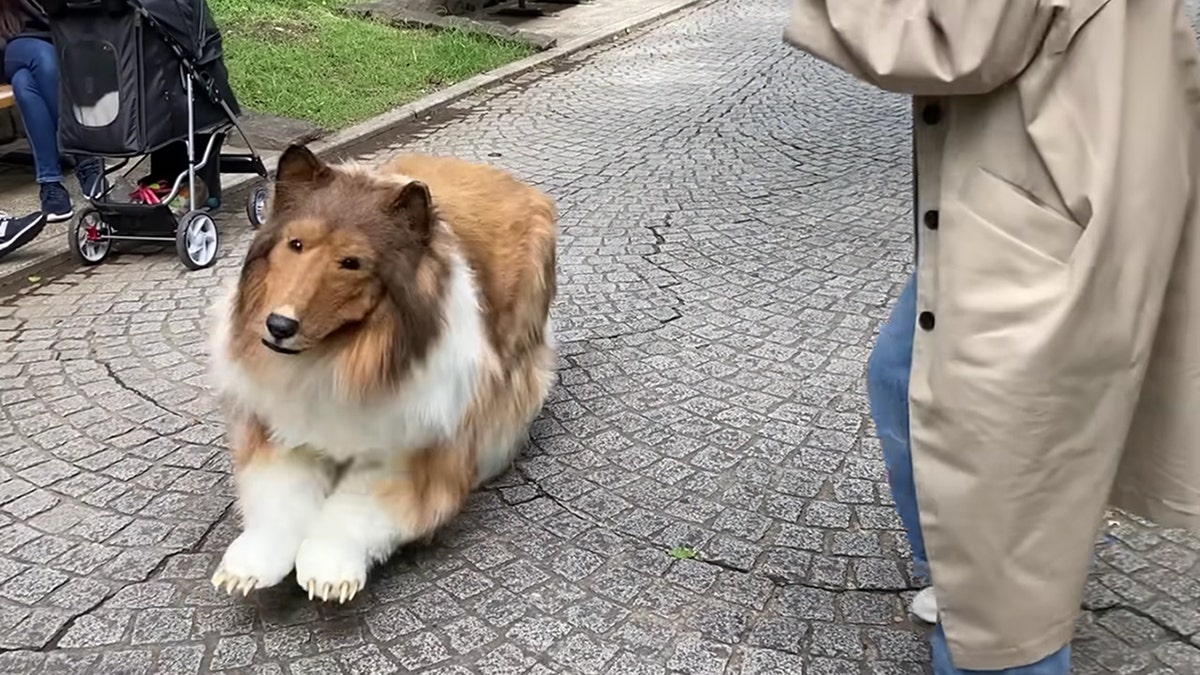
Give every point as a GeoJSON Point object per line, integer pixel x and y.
{"type": "Point", "coordinates": [188, 22]}
{"type": "Point", "coordinates": [126, 67]}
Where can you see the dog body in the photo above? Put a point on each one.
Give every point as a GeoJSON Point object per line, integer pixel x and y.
{"type": "Point", "coordinates": [383, 351]}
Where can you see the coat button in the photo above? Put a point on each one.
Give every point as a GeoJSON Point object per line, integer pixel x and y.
{"type": "Point", "coordinates": [931, 219]}
{"type": "Point", "coordinates": [931, 114]}
{"type": "Point", "coordinates": [925, 320]}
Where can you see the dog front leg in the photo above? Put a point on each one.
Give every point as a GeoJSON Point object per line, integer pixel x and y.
{"type": "Point", "coordinates": [279, 494]}
{"type": "Point", "coordinates": [374, 509]}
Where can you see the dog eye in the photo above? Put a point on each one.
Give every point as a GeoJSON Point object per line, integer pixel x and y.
{"type": "Point", "coordinates": [349, 263]}
{"type": "Point", "coordinates": [295, 245]}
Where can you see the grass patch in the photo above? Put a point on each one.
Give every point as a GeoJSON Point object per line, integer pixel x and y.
{"type": "Point", "coordinates": [682, 553]}
{"type": "Point", "coordinates": [303, 59]}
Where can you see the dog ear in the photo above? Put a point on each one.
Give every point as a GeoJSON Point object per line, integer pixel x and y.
{"type": "Point", "coordinates": [415, 204]}
{"type": "Point", "coordinates": [299, 172]}
{"type": "Point", "coordinates": [298, 164]}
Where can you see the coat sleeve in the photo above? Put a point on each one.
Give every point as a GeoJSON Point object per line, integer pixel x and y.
{"type": "Point", "coordinates": [924, 47]}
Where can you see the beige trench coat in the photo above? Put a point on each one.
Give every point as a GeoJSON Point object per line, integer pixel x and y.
{"type": "Point", "coordinates": [1057, 361]}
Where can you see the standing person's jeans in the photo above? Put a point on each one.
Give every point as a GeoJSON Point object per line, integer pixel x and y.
{"type": "Point", "coordinates": [887, 387]}
{"type": "Point", "coordinates": [31, 66]}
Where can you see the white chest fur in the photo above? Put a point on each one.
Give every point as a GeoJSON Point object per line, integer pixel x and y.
{"type": "Point", "coordinates": [296, 399]}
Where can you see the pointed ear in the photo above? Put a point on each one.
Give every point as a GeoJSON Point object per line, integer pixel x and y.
{"type": "Point", "coordinates": [299, 171]}
{"type": "Point", "coordinates": [415, 204]}
{"type": "Point", "coordinates": [298, 164]}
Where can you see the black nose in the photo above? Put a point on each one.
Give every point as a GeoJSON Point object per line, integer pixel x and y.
{"type": "Point", "coordinates": [280, 327]}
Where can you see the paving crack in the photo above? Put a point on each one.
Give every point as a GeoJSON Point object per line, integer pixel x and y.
{"type": "Point", "coordinates": [1172, 633]}
{"type": "Point", "coordinates": [52, 643]}
{"type": "Point", "coordinates": [121, 383]}
{"type": "Point", "coordinates": [776, 580]}
{"type": "Point", "coordinates": [781, 582]}
{"type": "Point", "coordinates": [676, 301]}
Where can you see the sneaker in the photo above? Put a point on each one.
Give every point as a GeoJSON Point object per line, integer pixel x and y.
{"type": "Point", "coordinates": [16, 232]}
{"type": "Point", "coordinates": [90, 173]}
{"type": "Point", "coordinates": [56, 202]}
{"type": "Point", "coordinates": [924, 606]}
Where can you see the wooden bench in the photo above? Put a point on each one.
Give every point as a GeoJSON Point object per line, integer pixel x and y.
{"type": "Point", "coordinates": [8, 127]}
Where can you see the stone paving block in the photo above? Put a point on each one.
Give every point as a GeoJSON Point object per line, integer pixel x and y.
{"type": "Point", "coordinates": [735, 222]}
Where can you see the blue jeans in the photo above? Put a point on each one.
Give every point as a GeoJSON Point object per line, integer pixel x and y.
{"type": "Point", "coordinates": [887, 387]}
{"type": "Point", "coordinates": [31, 66]}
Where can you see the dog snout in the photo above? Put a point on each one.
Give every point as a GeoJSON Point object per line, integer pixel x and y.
{"type": "Point", "coordinates": [282, 327]}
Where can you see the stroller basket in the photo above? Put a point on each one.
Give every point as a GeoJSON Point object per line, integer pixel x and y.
{"type": "Point", "coordinates": [122, 90]}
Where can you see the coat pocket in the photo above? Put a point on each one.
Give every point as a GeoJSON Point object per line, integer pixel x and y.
{"type": "Point", "coordinates": [1017, 214]}
{"type": "Point", "coordinates": [1002, 271]}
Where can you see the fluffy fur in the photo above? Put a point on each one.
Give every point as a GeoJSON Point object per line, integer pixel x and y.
{"type": "Point", "coordinates": [383, 351]}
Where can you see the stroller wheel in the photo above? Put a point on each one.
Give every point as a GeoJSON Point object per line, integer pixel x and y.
{"type": "Point", "coordinates": [256, 205]}
{"type": "Point", "coordinates": [196, 240]}
{"type": "Point", "coordinates": [89, 238]}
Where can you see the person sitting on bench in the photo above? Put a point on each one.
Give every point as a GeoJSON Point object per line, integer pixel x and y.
{"type": "Point", "coordinates": [31, 67]}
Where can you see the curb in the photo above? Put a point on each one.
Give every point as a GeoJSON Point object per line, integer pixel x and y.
{"type": "Point", "coordinates": [234, 189]}
{"type": "Point", "coordinates": [382, 124]}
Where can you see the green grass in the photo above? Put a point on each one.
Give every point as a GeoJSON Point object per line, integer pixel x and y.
{"type": "Point", "coordinates": [303, 59]}
{"type": "Point", "coordinates": [682, 553]}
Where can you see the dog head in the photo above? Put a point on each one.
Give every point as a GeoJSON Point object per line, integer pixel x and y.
{"type": "Point", "coordinates": [346, 258]}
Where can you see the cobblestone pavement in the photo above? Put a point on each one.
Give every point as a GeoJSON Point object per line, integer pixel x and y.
{"type": "Point", "coordinates": [735, 224]}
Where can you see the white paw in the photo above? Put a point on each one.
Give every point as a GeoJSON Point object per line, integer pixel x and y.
{"type": "Point", "coordinates": [331, 569]}
{"type": "Point", "coordinates": [254, 560]}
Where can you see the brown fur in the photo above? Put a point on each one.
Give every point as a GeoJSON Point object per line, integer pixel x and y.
{"type": "Point", "coordinates": [430, 491]}
{"type": "Point", "coordinates": [374, 317]}
{"type": "Point", "coordinates": [438, 480]}
{"type": "Point", "coordinates": [251, 443]}
{"type": "Point", "coordinates": [507, 231]}
{"type": "Point", "coordinates": [378, 321]}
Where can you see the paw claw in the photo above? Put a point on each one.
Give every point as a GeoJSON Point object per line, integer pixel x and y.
{"type": "Point", "coordinates": [254, 560]}
{"type": "Point", "coordinates": [231, 583]}
{"type": "Point", "coordinates": [331, 570]}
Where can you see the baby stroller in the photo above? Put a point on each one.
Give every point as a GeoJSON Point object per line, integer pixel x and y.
{"type": "Point", "coordinates": [138, 76]}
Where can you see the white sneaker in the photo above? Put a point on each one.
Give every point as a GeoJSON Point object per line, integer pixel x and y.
{"type": "Point", "coordinates": [924, 606]}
